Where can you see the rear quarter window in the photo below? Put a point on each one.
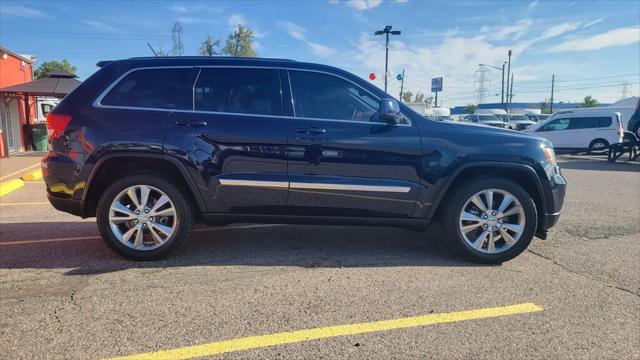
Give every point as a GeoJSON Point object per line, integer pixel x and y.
{"type": "Point", "coordinates": [604, 122]}
{"type": "Point", "coordinates": [148, 88]}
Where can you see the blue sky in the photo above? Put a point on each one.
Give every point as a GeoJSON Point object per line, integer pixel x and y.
{"type": "Point", "coordinates": [593, 47]}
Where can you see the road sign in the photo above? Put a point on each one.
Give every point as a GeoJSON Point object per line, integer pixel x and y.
{"type": "Point", "coordinates": [399, 77]}
{"type": "Point", "coordinates": [436, 84]}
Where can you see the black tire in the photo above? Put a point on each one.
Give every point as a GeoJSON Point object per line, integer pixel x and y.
{"type": "Point", "coordinates": [177, 196]}
{"type": "Point", "coordinates": [636, 131]}
{"type": "Point", "coordinates": [597, 145]}
{"type": "Point", "coordinates": [453, 206]}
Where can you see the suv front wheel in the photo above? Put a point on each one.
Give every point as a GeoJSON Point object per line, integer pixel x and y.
{"type": "Point", "coordinates": [144, 216]}
{"type": "Point", "coordinates": [490, 220]}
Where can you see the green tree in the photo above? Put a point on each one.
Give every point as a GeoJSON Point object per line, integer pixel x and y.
{"type": "Point", "coordinates": [406, 96]}
{"type": "Point", "coordinates": [589, 101]}
{"type": "Point", "coordinates": [210, 47]}
{"type": "Point", "coordinates": [48, 67]}
{"type": "Point", "coordinates": [545, 107]}
{"type": "Point", "coordinates": [470, 109]}
{"type": "Point", "coordinates": [240, 43]}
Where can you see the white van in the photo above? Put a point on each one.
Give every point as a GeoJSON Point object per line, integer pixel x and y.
{"type": "Point", "coordinates": [579, 131]}
{"type": "Point", "coordinates": [626, 110]}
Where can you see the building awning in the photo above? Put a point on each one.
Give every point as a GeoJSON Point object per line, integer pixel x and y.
{"type": "Point", "coordinates": [57, 84]}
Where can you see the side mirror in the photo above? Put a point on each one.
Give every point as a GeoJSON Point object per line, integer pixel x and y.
{"type": "Point", "coordinates": [389, 111]}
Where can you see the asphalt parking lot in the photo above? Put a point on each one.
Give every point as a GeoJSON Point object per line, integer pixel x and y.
{"type": "Point", "coordinates": [64, 295]}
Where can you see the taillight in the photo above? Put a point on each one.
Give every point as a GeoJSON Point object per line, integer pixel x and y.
{"type": "Point", "coordinates": [619, 128]}
{"type": "Point", "coordinates": [56, 123]}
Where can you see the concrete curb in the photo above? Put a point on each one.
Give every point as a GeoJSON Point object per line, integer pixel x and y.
{"type": "Point", "coordinates": [9, 186]}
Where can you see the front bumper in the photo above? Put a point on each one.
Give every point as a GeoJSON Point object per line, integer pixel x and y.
{"type": "Point", "coordinates": [555, 201]}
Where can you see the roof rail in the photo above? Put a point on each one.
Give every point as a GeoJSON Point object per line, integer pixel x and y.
{"type": "Point", "coordinates": [207, 58]}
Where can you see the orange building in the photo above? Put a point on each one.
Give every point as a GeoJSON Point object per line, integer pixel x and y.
{"type": "Point", "coordinates": [14, 69]}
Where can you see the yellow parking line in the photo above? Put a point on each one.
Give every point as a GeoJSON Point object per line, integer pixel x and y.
{"type": "Point", "coordinates": [19, 171]}
{"type": "Point", "coordinates": [25, 203]}
{"type": "Point", "coordinates": [32, 175]}
{"type": "Point", "coordinates": [10, 186]}
{"type": "Point", "coordinates": [77, 238]}
{"type": "Point", "coordinates": [254, 342]}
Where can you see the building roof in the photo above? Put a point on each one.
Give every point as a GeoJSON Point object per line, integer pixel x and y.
{"type": "Point", "coordinates": [57, 84]}
{"type": "Point", "coordinates": [29, 59]}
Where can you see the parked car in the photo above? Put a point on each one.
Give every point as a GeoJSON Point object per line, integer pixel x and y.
{"type": "Point", "coordinates": [626, 110]}
{"type": "Point", "coordinates": [538, 117]}
{"type": "Point", "coordinates": [519, 122]}
{"type": "Point", "coordinates": [485, 119]}
{"type": "Point", "coordinates": [579, 131]}
{"type": "Point", "coordinates": [152, 145]}
{"type": "Point", "coordinates": [634, 121]}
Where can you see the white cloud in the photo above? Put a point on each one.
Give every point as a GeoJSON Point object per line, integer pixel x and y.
{"type": "Point", "coordinates": [320, 50]}
{"type": "Point", "coordinates": [532, 5]}
{"type": "Point", "coordinates": [559, 30]}
{"type": "Point", "coordinates": [594, 22]}
{"type": "Point", "coordinates": [237, 19]}
{"type": "Point", "coordinates": [294, 30]}
{"type": "Point", "coordinates": [515, 32]}
{"type": "Point", "coordinates": [402, 1]}
{"type": "Point", "coordinates": [22, 11]}
{"type": "Point", "coordinates": [363, 4]}
{"type": "Point", "coordinates": [100, 26]}
{"type": "Point", "coordinates": [615, 37]}
{"type": "Point", "coordinates": [196, 8]}
{"type": "Point", "coordinates": [298, 32]}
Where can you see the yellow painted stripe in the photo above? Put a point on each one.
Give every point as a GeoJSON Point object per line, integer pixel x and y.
{"type": "Point", "coordinates": [25, 203]}
{"type": "Point", "coordinates": [254, 342]}
{"type": "Point", "coordinates": [32, 175]}
{"type": "Point", "coordinates": [78, 238]}
{"type": "Point", "coordinates": [9, 186]}
{"type": "Point", "coordinates": [19, 171]}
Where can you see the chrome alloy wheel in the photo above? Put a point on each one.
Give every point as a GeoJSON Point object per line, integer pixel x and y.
{"type": "Point", "coordinates": [492, 221]}
{"type": "Point", "coordinates": [142, 217]}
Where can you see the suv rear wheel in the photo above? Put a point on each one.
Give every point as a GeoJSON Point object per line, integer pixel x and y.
{"type": "Point", "coordinates": [144, 216]}
{"type": "Point", "coordinates": [490, 220]}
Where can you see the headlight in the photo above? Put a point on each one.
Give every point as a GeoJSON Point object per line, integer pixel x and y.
{"type": "Point", "coordinates": [549, 154]}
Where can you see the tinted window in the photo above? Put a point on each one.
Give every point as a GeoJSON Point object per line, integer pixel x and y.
{"type": "Point", "coordinates": [488, 118]}
{"type": "Point", "coordinates": [557, 124]}
{"type": "Point", "coordinates": [151, 88]}
{"type": "Point", "coordinates": [324, 96]}
{"type": "Point", "coordinates": [238, 90]}
{"type": "Point", "coordinates": [584, 123]}
{"type": "Point", "coordinates": [604, 122]}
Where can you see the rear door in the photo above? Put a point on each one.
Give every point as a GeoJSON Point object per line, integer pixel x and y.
{"type": "Point", "coordinates": [581, 131]}
{"type": "Point", "coordinates": [343, 161]}
{"type": "Point", "coordinates": [229, 130]}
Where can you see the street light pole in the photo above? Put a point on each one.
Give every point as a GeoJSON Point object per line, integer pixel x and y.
{"type": "Point", "coordinates": [386, 31]}
{"type": "Point", "coordinates": [508, 74]}
{"type": "Point", "coordinates": [501, 69]}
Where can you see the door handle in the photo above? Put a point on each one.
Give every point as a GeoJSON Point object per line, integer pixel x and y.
{"type": "Point", "coordinates": [192, 123]}
{"type": "Point", "coordinates": [197, 123]}
{"type": "Point", "coordinates": [311, 131]}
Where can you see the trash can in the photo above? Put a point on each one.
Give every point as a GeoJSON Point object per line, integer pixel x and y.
{"type": "Point", "coordinates": [39, 132]}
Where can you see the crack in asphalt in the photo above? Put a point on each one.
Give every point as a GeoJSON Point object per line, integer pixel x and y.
{"type": "Point", "coordinates": [585, 275]}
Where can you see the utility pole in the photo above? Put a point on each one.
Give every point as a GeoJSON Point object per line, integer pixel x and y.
{"type": "Point", "coordinates": [508, 74]}
{"type": "Point", "coordinates": [553, 82]}
{"type": "Point", "coordinates": [482, 82]}
{"type": "Point", "coordinates": [401, 85]}
{"type": "Point", "coordinates": [386, 31]}
{"type": "Point", "coordinates": [511, 94]}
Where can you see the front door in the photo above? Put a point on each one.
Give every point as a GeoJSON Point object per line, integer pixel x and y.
{"type": "Point", "coordinates": [10, 124]}
{"type": "Point", "coordinates": [344, 161]}
{"type": "Point", "coordinates": [228, 128]}
{"type": "Point", "coordinates": [556, 132]}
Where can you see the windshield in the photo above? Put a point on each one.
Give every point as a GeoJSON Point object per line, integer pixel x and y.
{"type": "Point", "coordinates": [488, 118]}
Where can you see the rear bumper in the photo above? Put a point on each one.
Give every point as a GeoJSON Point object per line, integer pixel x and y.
{"type": "Point", "coordinates": [68, 205]}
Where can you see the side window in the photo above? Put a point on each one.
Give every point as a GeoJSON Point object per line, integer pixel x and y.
{"type": "Point", "coordinates": [604, 122]}
{"type": "Point", "coordinates": [584, 123]}
{"type": "Point", "coordinates": [557, 124]}
{"type": "Point", "coordinates": [149, 88]}
{"type": "Point", "coordinates": [238, 90]}
{"type": "Point", "coordinates": [323, 96]}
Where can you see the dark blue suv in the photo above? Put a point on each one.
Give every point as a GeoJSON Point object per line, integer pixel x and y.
{"type": "Point", "coordinates": [152, 145]}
